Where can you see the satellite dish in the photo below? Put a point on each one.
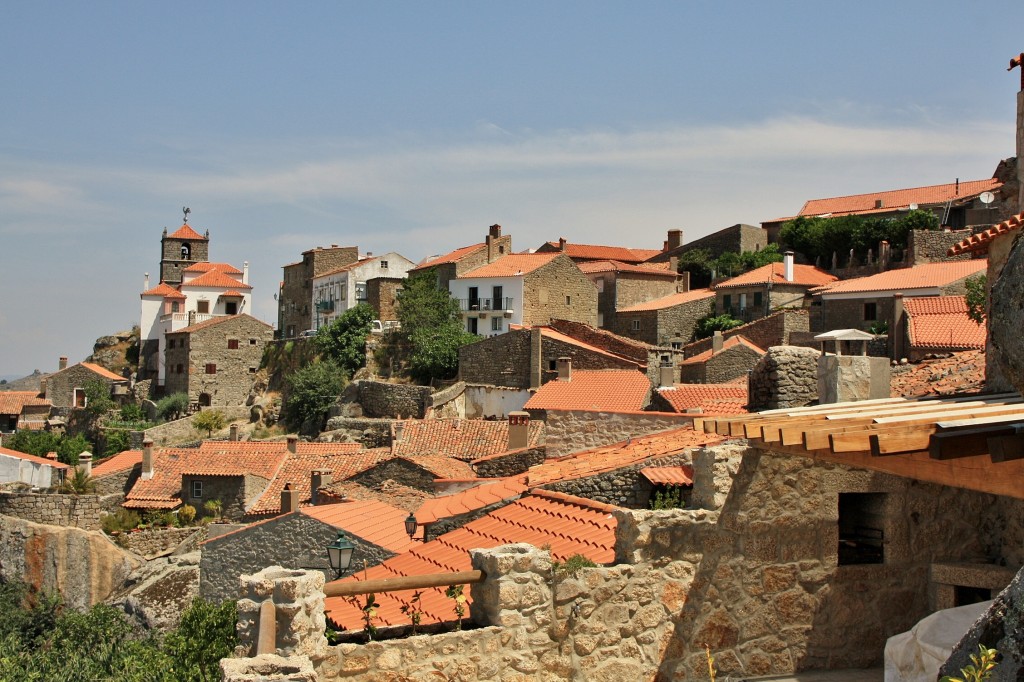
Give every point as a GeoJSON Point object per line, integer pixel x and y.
{"type": "Point", "coordinates": [987, 198]}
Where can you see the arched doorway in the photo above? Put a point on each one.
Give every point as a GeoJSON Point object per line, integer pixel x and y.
{"type": "Point", "coordinates": [204, 400]}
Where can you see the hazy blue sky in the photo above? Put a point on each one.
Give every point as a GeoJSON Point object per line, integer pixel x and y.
{"type": "Point", "coordinates": [414, 126]}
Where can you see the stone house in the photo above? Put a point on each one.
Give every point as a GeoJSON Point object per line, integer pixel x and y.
{"type": "Point", "coordinates": [215, 361]}
{"type": "Point", "coordinates": [763, 290]}
{"type": "Point", "coordinates": [295, 296]}
{"type": "Point", "coordinates": [606, 390]}
{"type": "Point", "coordinates": [710, 399]}
{"type": "Point", "coordinates": [524, 289]}
{"type": "Point", "coordinates": [460, 261]}
{"type": "Point", "coordinates": [933, 324]}
{"type": "Point", "coordinates": [667, 321]}
{"type": "Point", "coordinates": [863, 302]}
{"type": "Point", "coordinates": [382, 296]}
{"type": "Point", "coordinates": [23, 410]}
{"type": "Point", "coordinates": [298, 540]}
{"type": "Point", "coordinates": [66, 386]}
{"type": "Point", "coordinates": [345, 287]}
{"type": "Point", "coordinates": [621, 285]}
{"type": "Point", "coordinates": [728, 359]}
{"type": "Point", "coordinates": [734, 239]}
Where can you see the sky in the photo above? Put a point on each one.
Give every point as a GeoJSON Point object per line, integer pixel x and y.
{"type": "Point", "coordinates": [413, 126]}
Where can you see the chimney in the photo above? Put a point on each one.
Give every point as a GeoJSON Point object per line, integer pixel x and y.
{"type": "Point", "coordinates": [289, 499]}
{"type": "Point", "coordinates": [492, 234]}
{"type": "Point", "coordinates": [62, 363]}
{"type": "Point", "coordinates": [318, 478]}
{"type": "Point", "coordinates": [666, 375]}
{"type": "Point", "coordinates": [787, 266]}
{"type": "Point", "coordinates": [684, 282]}
{"type": "Point", "coordinates": [52, 456]}
{"type": "Point", "coordinates": [85, 463]}
{"type": "Point", "coordinates": [147, 458]}
{"type": "Point", "coordinates": [561, 244]}
{"type": "Point", "coordinates": [369, 254]}
{"type": "Point", "coordinates": [675, 239]}
{"type": "Point", "coordinates": [397, 429]}
{"type": "Point", "coordinates": [717, 342]}
{"type": "Point", "coordinates": [145, 283]}
{"type": "Point", "coordinates": [564, 367]}
{"type": "Point", "coordinates": [495, 231]}
{"type": "Point", "coordinates": [897, 331]}
{"type": "Point", "coordinates": [879, 203]}
{"type": "Point", "coordinates": [42, 387]}
{"type": "Point", "coordinates": [245, 272]}
{"type": "Point", "coordinates": [233, 433]}
{"type": "Point", "coordinates": [518, 430]}
{"type": "Point", "coordinates": [536, 358]}
{"type": "Point", "coordinates": [293, 442]}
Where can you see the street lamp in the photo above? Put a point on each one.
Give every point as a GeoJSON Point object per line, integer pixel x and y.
{"type": "Point", "coordinates": [339, 554]}
{"type": "Point", "coordinates": [410, 525]}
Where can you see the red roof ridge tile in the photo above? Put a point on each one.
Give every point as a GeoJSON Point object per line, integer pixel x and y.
{"type": "Point", "coordinates": [186, 232]}
{"type": "Point", "coordinates": [102, 371]}
{"type": "Point", "coordinates": [979, 241]}
{"type": "Point", "coordinates": [573, 499]}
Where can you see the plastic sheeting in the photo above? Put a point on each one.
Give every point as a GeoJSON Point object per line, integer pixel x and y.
{"type": "Point", "coordinates": [917, 655]}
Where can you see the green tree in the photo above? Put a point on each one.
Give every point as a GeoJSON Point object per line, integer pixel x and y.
{"type": "Point", "coordinates": [344, 339]}
{"type": "Point", "coordinates": [756, 259]}
{"type": "Point", "coordinates": [97, 398]}
{"type": "Point", "coordinates": [77, 483]}
{"type": "Point", "coordinates": [115, 441]}
{"type": "Point", "coordinates": [172, 407]}
{"type": "Point", "coordinates": [699, 264]}
{"type": "Point", "coordinates": [432, 327]}
{"type": "Point", "coordinates": [40, 443]}
{"type": "Point", "coordinates": [977, 297]}
{"type": "Point", "coordinates": [209, 421]}
{"type": "Point", "coordinates": [311, 390]}
{"type": "Point", "coordinates": [205, 635]}
{"type": "Point", "coordinates": [709, 325]}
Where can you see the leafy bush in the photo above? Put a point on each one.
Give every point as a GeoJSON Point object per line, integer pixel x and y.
{"type": "Point", "coordinates": [819, 238]}
{"type": "Point", "coordinates": [119, 521]}
{"type": "Point", "coordinates": [311, 391]}
{"type": "Point", "coordinates": [344, 339]}
{"type": "Point", "coordinates": [670, 498]}
{"type": "Point", "coordinates": [173, 406]}
{"type": "Point", "coordinates": [709, 325]}
{"type": "Point", "coordinates": [572, 565]}
{"type": "Point", "coordinates": [209, 421]}
{"type": "Point", "coordinates": [431, 328]}
{"type": "Point", "coordinates": [77, 483]}
{"type": "Point", "coordinates": [205, 635]}
{"type": "Point", "coordinates": [213, 508]}
{"type": "Point", "coordinates": [97, 398]}
{"type": "Point", "coordinates": [977, 297]}
{"type": "Point", "coordinates": [115, 441]}
{"type": "Point", "coordinates": [130, 412]}
{"type": "Point", "coordinates": [39, 443]}
{"type": "Point", "coordinates": [186, 514]}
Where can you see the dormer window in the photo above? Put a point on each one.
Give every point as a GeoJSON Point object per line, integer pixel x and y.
{"type": "Point", "coordinates": [186, 252]}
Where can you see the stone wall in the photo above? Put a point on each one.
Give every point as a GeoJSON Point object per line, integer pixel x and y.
{"type": "Point", "coordinates": [76, 511]}
{"type": "Point", "coordinates": [372, 433]}
{"type": "Point", "coordinates": [558, 291]}
{"type": "Point", "coordinates": [294, 541]}
{"type": "Point", "coordinates": [380, 399]}
{"type": "Point", "coordinates": [773, 330]}
{"type": "Point", "coordinates": [735, 238]}
{"type": "Point", "coordinates": [234, 493]}
{"type": "Point", "coordinates": [625, 487]}
{"type": "Point", "coordinates": [930, 246]}
{"type": "Point", "coordinates": [726, 365]}
{"type": "Point", "coordinates": [60, 386]}
{"type": "Point", "coordinates": [153, 542]}
{"type": "Point", "coordinates": [398, 470]}
{"type": "Point", "coordinates": [661, 327]}
{"type": "Point", "coordinates": [787, 376]}
{"type": "Point", "coordinates": [181, 430]}
{"type": "Point", "coordinates": [509, 463]}
{"type": "Point", "coordinates": [382, 295]}
{"type": "Point", "coordinates": [569, 431]}
{"type": "Point", "coordinates": [637, 351]}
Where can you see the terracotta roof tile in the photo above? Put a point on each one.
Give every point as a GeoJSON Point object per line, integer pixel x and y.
{"type": "Point", "coordinates": [899, 198]}
{"type": "Point", "coordinates": [570, 525]}
{"type": "Point", "coordinates": [709, 398]}
{"type": "Point", "coordinates": [979, 242]}
{"type": "Point", "coordinates": [214, 321]}
{"type": "Point", "coordinates": [598, 252]}
{"type": "Point", "coordinates": [32, 458]}
{"type": "Point", "coordinates": [207, 266]}
{"type": "Point", "coordinates": [186, 232]}
{"type": "Point", "coordinates": [102, 371]}
{"type": "Point", "coordinates": [671, 301]}
{"type": "Point", "coordinates": [450, 257]}
{"type": "Point", "coordinates": [345, 268]}
{"type": "Point", "coordinates": [215, 279]}
{"type": "Point", "coordinates": [370, 520]}
{"type": "Point", "coordinates": [803, 276]}
{"type": "Point", "coordinates": [512, 265]}
{"type": "Point", "coordinates": [616, 390]}
{"type": "Point", "coordinates": [118, 463]}
{"type": "Point", "coordinates": [655, 269]}
{"type": "Point", "coordinates": [677, 475]}
{"type": "Point", "coordinates": [731, 342]}
{"type": "Point", "coordinates": [464, 439]}
{"type": "Point", "coordinates": [163, 289]}
{"type": "Point", "coordinates": [555, 335]}
{"type": "Point", "coordinates": [961, 372]}
{"type": "Point", "coordinates": [12, 402]}
{"type": "Point", "coordinates": [481, 496]}
{"type": "Point", "coordinates": [927, 276]}
{"type": "Point", "coordinates": [942, 322]}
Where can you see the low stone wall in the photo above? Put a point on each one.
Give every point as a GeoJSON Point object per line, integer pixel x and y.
{"type": "Point", "coordinates": [931, 246]}
{"type": "Point", "coordinates": [180, 430]}
{"type": "Point", "coordinates": [573, 430]}
{"type": "Point", "coordinates": [509, 463]}
{"type": "Point", "coordinates": [787, 376]}
{"type": "Point", "coordinates": [773, 330]}
{"type": "Point", "coordinates": [153, 542]}
{"type": "Point", "coordinates": [372, 433]}
{"type": "Point", "coordinates": [77, 511]}
{"type": "Point", "coordinates": [381, 399]}
{"type": "Point", "coordinates": [624, 487]}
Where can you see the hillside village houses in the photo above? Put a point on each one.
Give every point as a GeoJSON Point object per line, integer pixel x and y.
{"type": "Point", "coordinates": [345, 287]}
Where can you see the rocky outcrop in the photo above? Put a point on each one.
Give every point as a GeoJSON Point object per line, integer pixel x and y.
{"type": "Point", "coordinates": [112, 351]}
{"type": "Point", "coordinates": [160, 591]}
{"type": "Point", "coordinates": [84, 567]}
{"type": "Point", "coordinates": [1006, 317]}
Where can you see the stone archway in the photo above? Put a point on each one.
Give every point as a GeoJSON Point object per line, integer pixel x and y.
{"type": "Point", "coordinates": [204, 400]}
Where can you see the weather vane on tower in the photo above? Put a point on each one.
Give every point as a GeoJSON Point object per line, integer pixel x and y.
{"type": "Point", "coordinates": [186, 210]}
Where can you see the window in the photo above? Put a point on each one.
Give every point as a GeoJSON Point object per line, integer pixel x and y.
{"type": "Point", "coordinates": [552, 365]}
{"type": "Point", "coordinates": [861, 528]}
{"type": "Point", "coordinates": [636, 325]}
{"type": "Point", "coordinates": [758, 299]}
{"type": "Point", "coordinates": [202, 306]}
{"type": "Point", "coordinates": [568, 300]}
{"type": "Point", "coordinates": [360, 291]}
{"type": "Point", "coordinates": [870, 312]}
{"type": "Point", "coordinates": [252, 370]}
{"type": "Point", "coordinates": [231, 307]}
{"type": "Point", "coordinates": [252, 342]}
{"type": "Point", "coordinates": [497, 298]}
{"type": "Point", "coordinates": [181, 368]}
{"type": "Point", "coordinates": [383, 265]}
{"type": "Point", "coordinates": [186, 252]}
{"type": "Point", "coordinates": [232, 344]}
{"type": "Point", "coordinates": [727, 302]}
{"type": "Point", "coordinates": [497, 324]}
{"type": "Point", "coordinates": [211, 368]}
{"type": "Point", "coordinates": [600, 285]}
{"type": "Point", "coordinates": [80, 399]}
{"type": "Point", "coordinates": [197, 490]}
{"type": "Point", "coordinates": [175, 307]}
{"type": "Point", "coordinates": [170, 343]}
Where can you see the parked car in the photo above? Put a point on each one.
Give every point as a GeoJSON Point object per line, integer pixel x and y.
{"type": "Point", "coordinates": [308, 333]}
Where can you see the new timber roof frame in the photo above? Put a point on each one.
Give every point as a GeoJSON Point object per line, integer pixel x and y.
{"type": "Point", "coordinates": [971, 441]}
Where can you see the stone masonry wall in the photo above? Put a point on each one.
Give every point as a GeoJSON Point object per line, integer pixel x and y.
{"type": "Point", "coordinates": [787, 376]}
{"type": "Point", "coordinates": [294, 541]}
{"type": "Point", "coordinates": [570, 431]}
{"type": "Point", "coordinates": [620, 345]}
{"type": "Point", "coordinates": [181, 430]}
{"type": "Point", "coordinates": [380, 399]}
{"type": "Point", "coordinates": [559, 291]}
{"type": "Point", "coordinates": [624, 487]}
{"type": "Point", "coordinates": [773, 330]}
{"type": "Point", "coordinates": [930, 246]}
{"type": "Point", "coordinates": [236, 368]}
{"type": "Point", "coordinates": [154, 542]}
{"type": "Point", "coordinates": [77, 511]}
{"type": "Point", "coordinates": [400, 471]}
{"type": "Point", "coordinates": [372, 433]}
{"type": "Point", "coordinates": [509, 463]}
{"type": "Point", "coordinates": [633, 288]}
{"type": "Point", "coordinates": [382, 295]}
{"type": "Point", "coordinates": [659, 327]}
{"type": "Point", "coordinates": [60, 386]}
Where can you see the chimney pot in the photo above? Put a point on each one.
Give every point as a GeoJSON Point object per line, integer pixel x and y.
{"type": "Point", "coordinates": [319, 478]}
{"type": "Point", "coordinates": [564, 367]}
{"type": "Point", "coordinates": [234, 432]}
{"type": "Point", "coordinates": [495, 231]}
{"type": "Point", "coordinates": [293, 442]}
{"type": "Point", "coordinates": [518, 430]}
{"type": "Point", "coordinates": [85, 463]}
{"type": "Point", "coordinates": [787, 266]}
{"type": "Point", "coordinates": [717, 342]}
{"type": "Point", "coordinates": [561, 243]}
{"type": "Point", "coordinates": [51, 455]}
{"type": "Point", "coordinates": [62, 363]}
{"type": "Point", "coordinates": [289, 499]}
{"type": "Point", "coordinates": [675, 239]}
{"type": "Point", "coordinates": [147, 458]}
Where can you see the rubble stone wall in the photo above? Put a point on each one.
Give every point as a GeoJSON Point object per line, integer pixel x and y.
{"type": "Point", "coordinates": [398, 470]}
{"type": "Point", "coordinates": [572, 430]}
{"type": "Point", "coordinates": [154, 542]}
{"type": "Point", "coordinates": [624, 487]}
{"type": "Point", "coordinates": [76, 511]}
{"type": "Point", "coordinates": [787, 376]}
{"type": "Point", "coordinates": [380, 399]}
{"type": "Point", "coordinates": [773, 330]}
{"type": "Point", "coordinates": [559, 291]}
{"type": "Point", "coordinates": [509, 463]}
{"type": "Point", "coordinates": [930, 246]}
{"type": "Point", "coordinates": [181, 429]}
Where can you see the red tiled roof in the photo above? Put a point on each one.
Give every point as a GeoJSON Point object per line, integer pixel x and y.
{"type": "Point", "coordinates": [232, 292]}
{"type": "Point", "coordinates": [942, 322]}
{"type": "Point", "coordinates": [979, 242]}
{"type": "Point", "coordinates": [102, 371]}
{"type": "Point", "coordinates": [568, 525]}
{"type": "Point", "coordinates": [677, 475]}
{"type": "Point", "coordinates": [555, 335]}
{"type": "Point", "coordinates": [803, 276]}
{"type": "Point", "coordinates": [370, 520]}
{"type": "Point", "coordinates": [481, 496]}
{"type": "Point", "coordinates": [899, 198]}
{"type": "Point", "coordinates": [450, 257]}
{"type": "Point", "coordinates": [213, 321]}
{"type": "Point", "coordinates": [617, 455]}
{"type": "Point", "coordinates": [119, 462]}
{"type": "Point", "coordinates": [512, 265]}
{"type": "Point", "coordinates": [215, 279]}
{"type": "Point", "coordinates": [709, 398]}
{"type": "Point", "coordinates": [12, 402]}
{"type": "Point", "coordinates": [670, 301]}
{"type": "Point", "coordinates": [186, 232]}
{"type": "Point", "coordinates": [615, 390]}
{"type": "Point", "coordinates": [927, 276]}
{"type": "Point", "coordinates": [464, 439]}
{"type": "Point", "coordinates": [32, 458]}
{"type": "Point", "coordinates": [731, 342]}
{"type": "Point", "coordinates": [597, 252]}
{"type": "Point", "coordinates": [655, 269]}
{"type": "Point", "coordinates": [207, 266]}
{"type": "Point", "coordinates": [961, 372]}
{"type": "Point", "coordinates": [163, 289]}
{"type": "Point", "coordinates": [346, 268]}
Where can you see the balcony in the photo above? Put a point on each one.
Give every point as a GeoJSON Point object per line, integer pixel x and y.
{"type": "Point", "coordinates": [484, 304]}
{"type": "Point", "coordinates": [325, 306]}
